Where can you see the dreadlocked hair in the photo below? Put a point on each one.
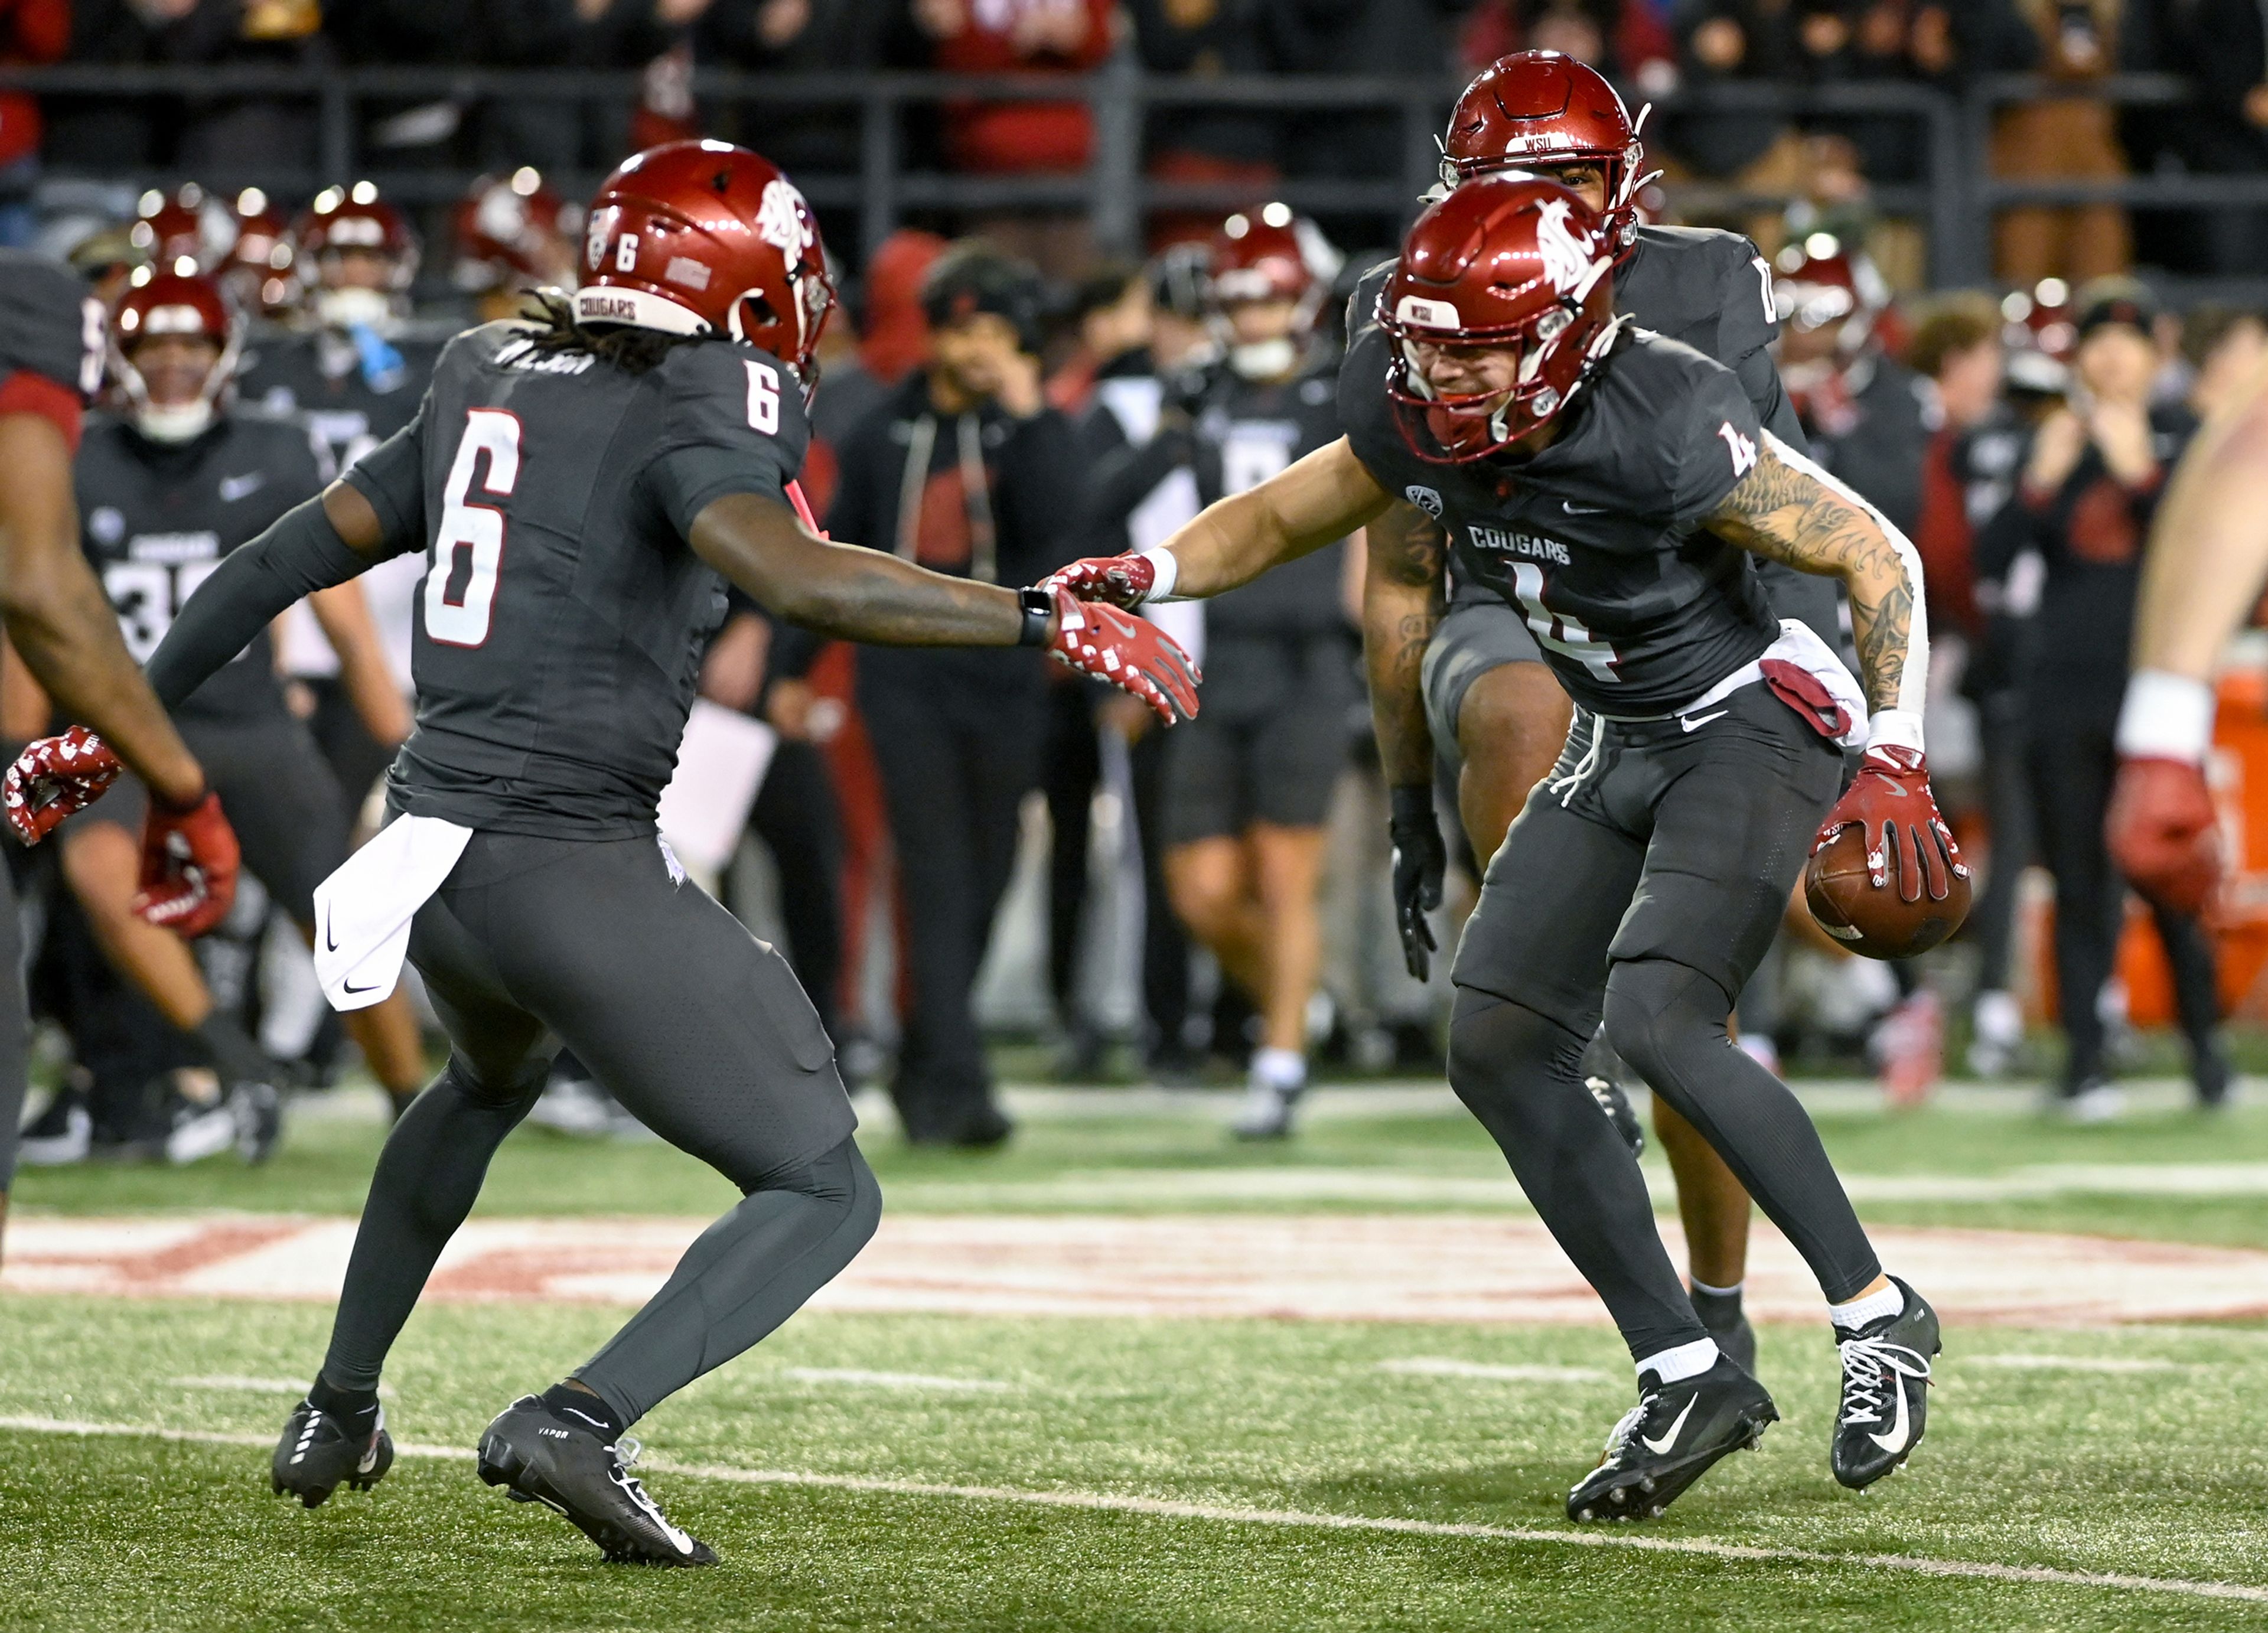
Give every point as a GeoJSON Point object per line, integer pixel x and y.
{"type": "Point", "coordinates": [633, 350]}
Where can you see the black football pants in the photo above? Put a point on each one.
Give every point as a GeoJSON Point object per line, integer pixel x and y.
{"type": "Point", "coordinates": [2072, 760]}
{"type": "Point", "coordinates": [1645, 880]}
{"type": "Point", "coordinates": [696, 1026]}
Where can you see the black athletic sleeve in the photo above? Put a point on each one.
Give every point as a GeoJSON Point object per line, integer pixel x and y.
{"type": "Point", "coordinates": [392, 476]}
{"type": "Point", "coordinates": [300, 555]}
{"type": "Point", "coordinates": [49, 324]}
{"type": "Point", "coordinates": [731, 422]}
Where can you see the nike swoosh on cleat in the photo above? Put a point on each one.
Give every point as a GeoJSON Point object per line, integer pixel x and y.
{"type": "Point", "coordinates": [1694, 723]}
{"type": "Point", "coordinates": [1896, 1440]}
{"type": "Point", "coordinates": [1661, 1448]}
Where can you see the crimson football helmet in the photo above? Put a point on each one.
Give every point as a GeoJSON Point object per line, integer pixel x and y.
{"type": "Point", "coordinates": [1818, 281]}
{"type": "Point", "coordinates": [1267, 254]}
{"type": "Point", "coordinates": [700, 237]}
{"type": "Point", "coordinates": [1541, 108]}
{"type": "Point", "coordinates": [344, 218]}
{"type": "Point", "coordinates": [515, 231]}
{"type": "Point", "coordinates": [186, 225]}
{"type": "Point", "coordinates": [1504, 263]}
{"type": "Point", "coordinates": [262, 268]}
{"type": "Point", "coordinates": [178, 302]}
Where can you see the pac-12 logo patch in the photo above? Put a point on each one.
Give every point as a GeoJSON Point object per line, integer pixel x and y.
{"type": "Point", "coordinates": [1424, 498]}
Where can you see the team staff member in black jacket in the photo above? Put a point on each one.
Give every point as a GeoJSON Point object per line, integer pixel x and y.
{"type": "Point", "coordinates": [2090, 487]}
{"type": "Point", "coordinates": [964, 470]}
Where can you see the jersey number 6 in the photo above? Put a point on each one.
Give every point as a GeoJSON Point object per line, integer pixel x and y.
{"type": "Point", "coordinates": [457, 612]}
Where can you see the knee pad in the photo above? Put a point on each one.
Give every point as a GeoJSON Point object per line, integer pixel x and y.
{"type": "Point", "coordinates": [1495, 1043]}
{"type": "Point", "coordinates": [519, 1090]}
{"type": "Point", "coordinates": [1657, 1011]}
{"type": "Point", "coordinates": [839, 1178]}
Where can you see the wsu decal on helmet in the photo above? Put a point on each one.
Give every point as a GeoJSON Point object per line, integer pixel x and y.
{"type": "Point", "coordinates": [783, 220]}
{"type": "Point", "coordinates": [1567, 256]}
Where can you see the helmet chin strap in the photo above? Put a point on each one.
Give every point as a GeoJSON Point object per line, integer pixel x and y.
{"type": "Point", "coordinates": [175, 422]}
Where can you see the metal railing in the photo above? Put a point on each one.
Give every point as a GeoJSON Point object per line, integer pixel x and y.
{"type": "Point", "coordinates": [883, 180]}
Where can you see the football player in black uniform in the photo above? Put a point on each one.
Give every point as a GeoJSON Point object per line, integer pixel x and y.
{"type": "Point", "coordinates": [1617, 487]}
{"type": "Point", "coordinates": [167, 487]}
{"type": "Point", "coordinates": [581, 486]}
{"type": "Point", "coordinates": [1498, 715]}
{"type": "Point", "coordinates": [51, 340]}
{"type": "Point", "coordinates": [1247, 790]}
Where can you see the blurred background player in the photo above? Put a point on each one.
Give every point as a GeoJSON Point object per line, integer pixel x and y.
{"type": "Point", "coordinates": [59, 624]}
{"type": "Point", "coordinates": [168, 485]}
{"type": "Point", "coordinates": [513, 235]}
{"type": "Point", "coordinates": [1246, 794]}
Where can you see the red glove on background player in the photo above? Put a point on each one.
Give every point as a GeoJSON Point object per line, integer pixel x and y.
{"type": "Point", "coordinates": [1119, 580]}
{"type": "Point", "coordinates": [53, 778]}
{"type": "Point", "coordinates": [1890, 802]}
{"type": "Point", "coordinates": [188, 867]}
{"type": "Point", "coordinates": [1131, 653]}
{"type": "Point", "coordinates": [2163, 832]}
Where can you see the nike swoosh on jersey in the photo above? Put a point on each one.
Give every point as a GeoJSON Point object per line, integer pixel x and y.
{"type": "Point", "coordinates": [1661, 1448]}
{"type": "Point", "coordinates": [1694, 723]}
{"type": "Point", "coordinates": [1573, 509]}
{"type": "Point", "coordinates": [1896, 1440]}
{"type": "Point", "coordinates": [235, 488]}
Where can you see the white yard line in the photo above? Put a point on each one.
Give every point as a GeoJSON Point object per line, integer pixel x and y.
{"type": "Point", "coordinates": [1225, 1514]}
{"type": "Point", "coordinates": [1438, 1366]}
{"type": "Point", "coordinates": [859, 1376]}
{"type": "Point", "coordinates": [2078, 1364]}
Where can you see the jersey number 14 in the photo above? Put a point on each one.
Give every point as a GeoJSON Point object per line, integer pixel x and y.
{"type": "Point", "coordinates": [459, 609]}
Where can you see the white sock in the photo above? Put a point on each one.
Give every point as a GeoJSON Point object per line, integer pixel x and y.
{"type": "Point", "coordinates": [1700, 1286]}
{"type": "Point", "coordinates": [1871, 1307]}
{"type": "Point", "coordinates": [1283, 1070]}
{"type": "Point", "coordinates": [1685, 1361]}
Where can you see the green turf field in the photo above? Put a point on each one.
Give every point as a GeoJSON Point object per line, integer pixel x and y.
{"type": "Point", "coordinates": [958, 1472]}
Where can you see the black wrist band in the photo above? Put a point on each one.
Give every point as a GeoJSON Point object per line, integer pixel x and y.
{"type": "Point", "coordinates": [1409, 800]}
{"type": "Point", "coordinates": [1038, 607]}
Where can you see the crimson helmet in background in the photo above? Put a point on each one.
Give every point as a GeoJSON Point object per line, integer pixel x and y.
{"type": "Point", "coordinates": [1819, 280]}
{"type": "Point", "coordinates": [1269, 253]}
{"type": "Point", "coordinates": [1541, 108]}
{"type": "Point", "coordinates": [262, 268]}
{"type": "Point", "coordinates": [189, 223]}
{"type": "Point", "coordinates": [1506, 262]}
{"type": "Point", "coordinates": [2040, 335]}
{"type": "Point", "coordinates": [514, 232]}
{"type": "Point", "coordinates": [703, 236]}
{"type": "Point", "coordinates": [355, 219]}
{"type": "Point", "coordinates": [181, 302]}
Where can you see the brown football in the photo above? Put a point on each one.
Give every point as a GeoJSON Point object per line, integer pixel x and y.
{"type": "Point", "coordinates": [1875, 923]}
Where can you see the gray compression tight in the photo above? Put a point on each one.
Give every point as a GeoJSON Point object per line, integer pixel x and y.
{"type": "Point", "coordinates": [748, 1273]}
{"type": "Point", "coordinates": [1521, 1074]}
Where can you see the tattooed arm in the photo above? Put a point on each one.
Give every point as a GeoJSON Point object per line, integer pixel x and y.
{"type": "Point", "coordinates": [1401, 601]}
{"type": "Point", "coordinates": [1787, 510]}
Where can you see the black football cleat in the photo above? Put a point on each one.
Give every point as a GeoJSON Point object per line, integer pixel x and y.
{"type": "Point", "coordinates": [1885, 1392]}
{"type": "Point", "coordinates": [542, 1456]}
{"type": "Point", "coordinates": [1617, 1104]}
{"type": "Point", "coordinates": [1670, 1439]}
{"type": "Point", "coordinates": [318, 1453]}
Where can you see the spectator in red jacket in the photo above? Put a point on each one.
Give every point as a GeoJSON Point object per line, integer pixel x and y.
{"type": "Point", "coordinates": [1022, 138]}
{"type": "Point", "coordinates": [31, 32]}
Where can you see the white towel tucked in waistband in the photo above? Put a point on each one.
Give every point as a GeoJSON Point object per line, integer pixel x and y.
{"type": "Point", "coordinates": [362, 911]}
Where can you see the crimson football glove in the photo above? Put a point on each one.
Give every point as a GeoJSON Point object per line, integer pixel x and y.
{"type": "Point", "coordinates": [53, 778]}
{"type": "Point", "coordinates": [1890, 803]}
{"type": "Point", "coordinates": [1120, 580]}
{"type": "Point", "coordinates": [1131, 653]}
{"type": "Point", "coordinates": [1420, 862]}
{"type": "Point", "coordinates": [188, 867]}
{"type": "Point", "coordinates": [2162, 831]}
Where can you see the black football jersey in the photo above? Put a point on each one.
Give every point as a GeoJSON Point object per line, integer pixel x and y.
{"type": "Point", "coordinates": [1597, 540]}
{"type": "Point", "coordinates": [155, 518]}
{"type": "Point", "coordinates": [562, 618]}
{"type": "Point", "coordinates": [1247, 431]}
{"type": "Point", "coordinates": [49, 324]}
{"type": "Point", "coordinates": [354, 391]}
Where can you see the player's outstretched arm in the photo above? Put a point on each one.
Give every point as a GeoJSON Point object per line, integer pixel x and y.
{"type": "Point", "coordinates": [1231, 542]}
{"type": "Point", "coordinates": [1403, 597]}
{"type": "Point", "coordinates": [63, 624]}
{"type": "Point", "coordinates": [1788, 509]}
{"type": "Point", "coordinates": [866, 595]}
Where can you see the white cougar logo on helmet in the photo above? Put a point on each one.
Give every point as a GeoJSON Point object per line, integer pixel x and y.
{"type": "Point", "coordinates": [781, 221]}
{"type": "Point", "coordinates": [1566, 257]}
